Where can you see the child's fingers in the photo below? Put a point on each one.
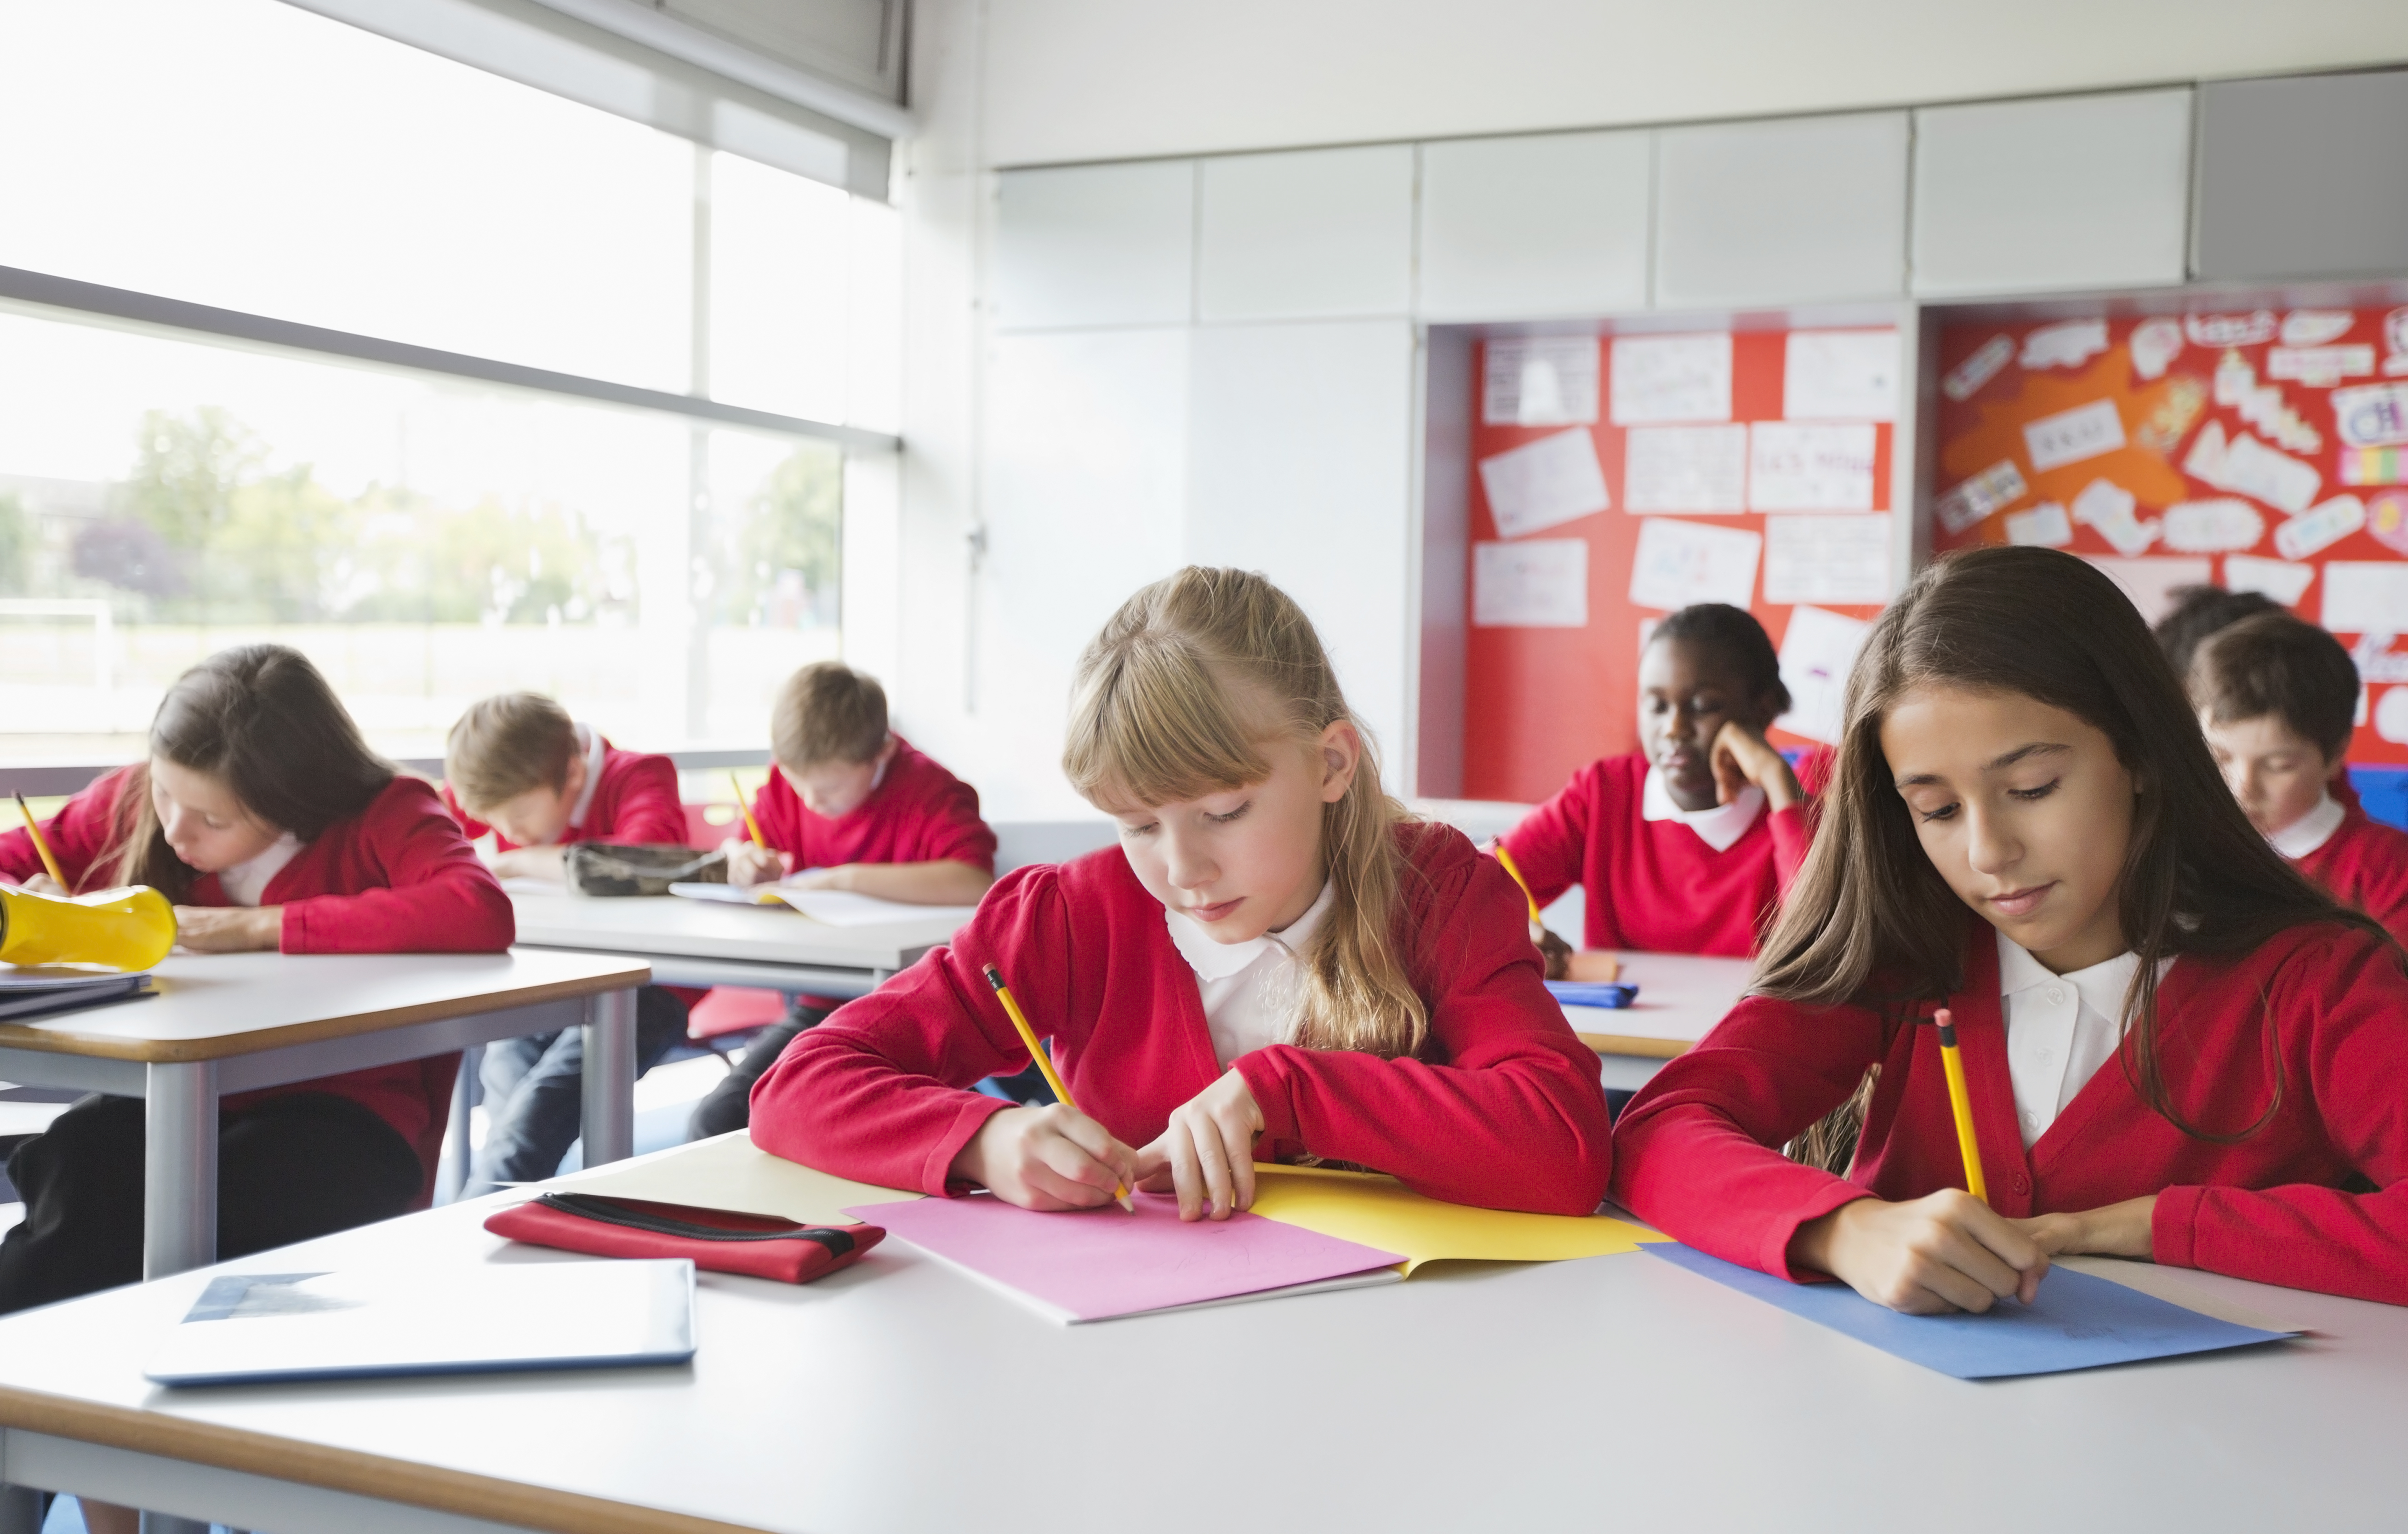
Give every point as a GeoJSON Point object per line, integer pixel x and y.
{"type": "Point", "coordinates": [1237, 1146]}
{"type": "Point", "coordinates": [1212, 1157]}
{"type": "Point", "coordinates": [1186, 1171]}
{"type": "Point", "coordinates": [1099, 1142]}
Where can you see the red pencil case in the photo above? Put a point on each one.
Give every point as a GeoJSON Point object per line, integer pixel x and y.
{"type": "Point", "coordinates": [758, 1245]}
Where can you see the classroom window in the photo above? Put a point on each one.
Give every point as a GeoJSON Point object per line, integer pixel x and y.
{"type": "Point", "coordinates": [427, 538]}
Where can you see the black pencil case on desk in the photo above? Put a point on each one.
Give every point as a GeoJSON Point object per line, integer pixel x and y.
{"type": "Point", "coordinates": [627, 867]}
{"type": "Point", "coordinates": [756, 1245]}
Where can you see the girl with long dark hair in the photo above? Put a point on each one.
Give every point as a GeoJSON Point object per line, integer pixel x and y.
{"type": "Point", "coordinates": [2178, 1048]}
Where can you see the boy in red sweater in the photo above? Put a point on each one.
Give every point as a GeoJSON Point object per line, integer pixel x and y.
{"type": "Point", "coordinates": [848, 805]}
{"type": "Point", "coordinates": [1685, 845]}
{"type": "Point", "coordinates": [2276, 698]}
{"type": "Point", "coordinates": [268, 821]}
{"type": "Point", "coordinates": [517, 766]}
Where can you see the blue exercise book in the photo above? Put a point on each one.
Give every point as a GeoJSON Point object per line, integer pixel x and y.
{"type": "Point", "coordinates": [1593, 993]}
{"type": "Point", "coordinates": [2079, 1321]}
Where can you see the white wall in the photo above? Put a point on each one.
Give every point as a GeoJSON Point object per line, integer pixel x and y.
{"type": "Point", "coordinates": [1076, 79]}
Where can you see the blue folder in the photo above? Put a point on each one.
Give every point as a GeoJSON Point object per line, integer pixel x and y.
{"type": "Point", "coordinates": [2079, 1321]}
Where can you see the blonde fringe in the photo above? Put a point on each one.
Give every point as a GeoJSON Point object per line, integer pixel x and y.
{"type": "Point", "coordinates": [1185, 691]}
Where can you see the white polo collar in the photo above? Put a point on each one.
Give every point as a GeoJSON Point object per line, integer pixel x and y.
{"type": "Point", "coordinates": [1718, 827]}
{"type": "Point", "coordinates": [1213, 959]}
{"type": "Point", "coordinates": [590, 742]}
{"type": "Point", "coordinates": [2310, 831]}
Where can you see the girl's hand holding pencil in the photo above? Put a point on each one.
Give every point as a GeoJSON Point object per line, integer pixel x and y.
{"type": "Point", "coordinates": [1052, 1158]}
{"type": "Point", "coordinates": [1206, 1154]}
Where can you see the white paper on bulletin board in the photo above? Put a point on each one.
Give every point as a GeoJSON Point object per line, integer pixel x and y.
{"type": "Point", "coordinates": [2362, 597]}
{"type": "Point", "coordinates": [1659, 379]}
{"type": "Point", "coordinates": [1816, 654]}
{"type": "Point", "coordinates": [1539, 381]}
{"type": "Point", "coordinates": [1827, 559]}
{"type": "Point", "coordinates": [1681, 563]}
{"type": "Point", "coordinates": [1839, 375]}
{"type": "Point", "coordinates": [1685, 468]}
{"type": "Point", "coordinates": [2151, 582]}
{"type": "Point", "coordinates": [1536, 583]}
{"type": "Point", "coordinates": [1796, 465]}
{"type": "Point", "coordinates": [1540, 484]}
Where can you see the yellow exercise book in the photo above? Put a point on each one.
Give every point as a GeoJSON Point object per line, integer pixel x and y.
{"type": "Point", "coordinates": [1378, 1211]}
{"type": "Point", "coordinates": [730, 1172]}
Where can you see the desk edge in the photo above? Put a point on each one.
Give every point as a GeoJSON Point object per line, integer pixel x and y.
{"type": "Point", "coordinates": [1622, 1043]}
{"type": "Point", "coordinates": [228, 1046]}
{"type": "Point", "coordinates": [467, 1494]}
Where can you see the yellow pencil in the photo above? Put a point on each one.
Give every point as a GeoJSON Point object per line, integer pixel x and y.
{"type": "Point", "coordinates": [1506, 859]}
{"type": "Point", "coordinates": [1044, 1061]}
{"type": "Point", "coordinates": [1952, 1064]}
{"type": "Point", "coordinates": [33, 829]}
{"type": "Point", "coordinates": [744, 807]}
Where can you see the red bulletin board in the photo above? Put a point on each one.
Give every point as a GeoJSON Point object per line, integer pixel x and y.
{"type": "Point", "coordinates": [1580, 446]}
{"type": "Point", "coordinates": [2258, 449]}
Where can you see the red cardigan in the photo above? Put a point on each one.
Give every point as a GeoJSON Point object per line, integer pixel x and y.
{"type": "Point", "coordinates": [2365, 864]}
{"type": "Point", "coordinates": [398, 878]}
{"type": "Point", "coordinates": [919, 812]}
{"type": "Point", "coordinates": [1696, 1150]}
{"type": "Point", "coordinates": [635, 801]}
{"type": "Point", "coordinates": [1503, 1111]}
{"type": "Point", "coordinates": [1654, 886]}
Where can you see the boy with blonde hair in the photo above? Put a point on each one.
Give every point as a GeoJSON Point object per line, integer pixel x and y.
{"type": "Point", "coordinates": [848, 805]}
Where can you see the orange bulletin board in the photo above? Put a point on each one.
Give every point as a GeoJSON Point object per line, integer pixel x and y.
{"type": "Point", "coordinates": [1617, 478]}
{"type": "Point", "coordinates": [2258, 449]}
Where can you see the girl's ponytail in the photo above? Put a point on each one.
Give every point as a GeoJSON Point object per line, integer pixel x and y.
{"type": "Point", "coordinates": [1179, 695]}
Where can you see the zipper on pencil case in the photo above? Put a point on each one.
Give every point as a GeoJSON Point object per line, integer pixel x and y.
{"type": "Point", "coordinates": [587, 1207]}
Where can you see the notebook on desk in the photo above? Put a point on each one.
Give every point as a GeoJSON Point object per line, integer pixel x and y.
{"type": "Point", "coordinates": [835, 908]}
{"type": "Point", "coordinates": [257, 1329]}
{"type": "Point", "coordinates": [30, 992]}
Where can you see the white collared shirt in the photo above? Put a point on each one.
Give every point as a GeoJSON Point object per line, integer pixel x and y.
{"type": "Point", "coordinates": [1253, 990]}
{"type": "Point", "coordinates": [1717, 828]}
{"type": "Point", "coordinates": [2310, 831]}
{"type": "Point", "coordinates": [588, 740]}
{"type": "Point", "coordinates": [2061, 1029]}
{"type": "Point", "coordinates": [245, 882]}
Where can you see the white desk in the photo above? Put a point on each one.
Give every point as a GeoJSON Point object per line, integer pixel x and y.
{"type": "Point", "coordinates": [703, 942]}
{"type": "Point", "coordinates": [228, 1023]}
{"type": "Point", "coordinates": [1681, 997]}
{"type": "Point", "coordinates": [1615, 1392]}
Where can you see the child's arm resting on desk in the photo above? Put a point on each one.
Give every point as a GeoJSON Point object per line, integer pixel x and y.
{"type": "Point", "coordinates": [940, 883]}
{"type": "Point", "coordinates": [1515, 1118]}
{"type": "Point", "coordinates": [878, 1092]}
{"type": "Point", "coordinates": [436, 896]}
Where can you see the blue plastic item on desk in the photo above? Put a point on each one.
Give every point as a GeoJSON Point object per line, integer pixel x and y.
{"type": "Point", "coordinates": [1593, 993]}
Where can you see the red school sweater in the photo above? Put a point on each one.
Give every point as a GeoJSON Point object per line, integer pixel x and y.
{"type": "Point", "coordinates": [2364, 863]}
{"type": "Point", "coordinates": [1654, 886]}
{"type": "Point", "coordinates": [1503, 1109]}
{"type": "Point", "coordinates": [398, 878]}
{"type": "Point", "coordinates": [919, 812]}
{"type": "Point", "coordinates": [1696, 1150]}
{"type": "Point", "coordinates": [636, 800]}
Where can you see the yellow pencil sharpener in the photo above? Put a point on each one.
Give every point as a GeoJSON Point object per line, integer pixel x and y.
{"type": "Point", "coordinates": [128, 929]}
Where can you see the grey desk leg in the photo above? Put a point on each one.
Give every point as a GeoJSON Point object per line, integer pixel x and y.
{"type": "Point", "coordinates": [168, 1523]}
{"type": "Point", "coordinates": [451, 1165]}
{"type": "Point", "coordinates": [609, 1127]}
{"type": "Point", "coordinates": [179, 1167]}
{"type": "Point", "coordinates": [21, 1509]}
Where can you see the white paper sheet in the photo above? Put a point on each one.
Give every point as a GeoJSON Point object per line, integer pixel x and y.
{"type": "Point", "coordinates": [1538, 583]}
{"type": "Point", "coordinates": [2365, 596]}
{"type": "Point", "coordinates": [2071, 435]}
{"type": "Point", "coordinates": [1659, 379]}
{"type": "Point", "coordinates": [2250, 468]}
{"type": "Point", "coordinates": [1816, 653]}
{"type": "Point", "coordinates": [2108, 507]}
{"type": "Point", "coordinates": [2156, 343]}
{"type": "Point", "coordinates": [1810, 467]}
{"type": "Point", "coordinates": [2151, 583]}
{"type": "Point", "coordinates": [2374, 415]}
{"type": "Point", "coordinates": [1685, 468]}
{"type": "Point", "coordinates": [1966, 378]}
{"type": "Point", "coordinates": [1963, 504]}
{"type": "Point", "coordinates": [1681, 563]}
{"type": "Point", "coordinates": [2391, 716]}
{"type": "Point", "coordinates": [2314, 531]}
{"type": "Point", "coordinates": [2319, 366]}
{"type": "Point", "coordinates": [2315, 326]}
{"type": "Point", "coordinates": [2044, 526]}
{"type": "Point", "coordinates": [2223, 330]}
{"type": "Point", "coordinates": [1839, 375]}
{"type": "Point", "coordinates": [1827, 559]}
{"type": "Point", "coordinates": [1543, 483]}
{"type": "Point", "coordinates": [2069, 343]}
{"type": "Point", "coordinates": [2223, 525]}
{"type": "Point", "coordinates": [2284, 582]}
{"type": "Point", "coordinates": [1539, 381]}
